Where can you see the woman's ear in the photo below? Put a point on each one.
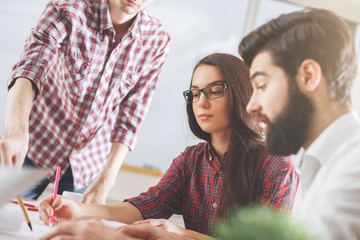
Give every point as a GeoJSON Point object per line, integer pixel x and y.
{"type": "Point", "coordinates": [309, 76]}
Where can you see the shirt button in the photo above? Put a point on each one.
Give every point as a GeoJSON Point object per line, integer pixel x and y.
{"type": "Point", "coordinates": [214, 205]}
{"type": "Point", "coordinates": [220, 172]}
{"type": "Point", "coordinates": [82, 138]}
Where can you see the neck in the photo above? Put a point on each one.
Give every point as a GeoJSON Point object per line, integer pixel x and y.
{"type": "Point", "coordinates": [220, 143]}
{"type": "Point", "coordinates": [323, 117]}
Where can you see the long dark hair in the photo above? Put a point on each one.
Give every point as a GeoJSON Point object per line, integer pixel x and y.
{"type": "Point", "coordinates": [245, 141]}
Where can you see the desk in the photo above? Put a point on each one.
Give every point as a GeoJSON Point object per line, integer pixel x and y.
{"type": "Point", "coordinates": [11, 213]}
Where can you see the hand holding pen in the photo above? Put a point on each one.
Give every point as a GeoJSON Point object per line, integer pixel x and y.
{"type": "Point", "coordinates": [57, 208]}
{"type": "Point", "coordinates": [57, 176]}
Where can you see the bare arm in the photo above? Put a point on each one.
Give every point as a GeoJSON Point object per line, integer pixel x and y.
{"type": "Point", "coordinates": [99, 189]}
{"type": "Point", "coordinates": [122, 212]}
{"type": "Point", "coordinates": [67, 209]}
{"type": "Point", "coordinates": [14, 144]}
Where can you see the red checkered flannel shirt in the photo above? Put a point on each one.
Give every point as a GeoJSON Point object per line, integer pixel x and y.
{"type": "Point", "coordinates": [191, 187]}
{"type": "Point", "coordinates": [91, 92]}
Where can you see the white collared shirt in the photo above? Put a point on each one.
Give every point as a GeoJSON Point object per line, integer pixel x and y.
{"type": "Point", "coordinates": [330, 201]}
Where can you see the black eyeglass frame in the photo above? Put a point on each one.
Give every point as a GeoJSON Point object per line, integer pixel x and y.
{"type": "Point", "coordinates": [223, 84]}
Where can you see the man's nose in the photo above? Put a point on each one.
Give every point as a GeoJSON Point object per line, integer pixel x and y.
{"type": "Point", "coordinates": [253, 105]}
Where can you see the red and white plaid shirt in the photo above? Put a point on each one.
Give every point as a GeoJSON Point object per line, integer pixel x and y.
{"type": "Point", "coordinates": [192, 185]}
{"type": "Point", "coordinates": [91, 92]}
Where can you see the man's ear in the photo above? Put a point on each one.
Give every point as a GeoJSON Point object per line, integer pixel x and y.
{"type": "Point", "coordinates": [309, 76]}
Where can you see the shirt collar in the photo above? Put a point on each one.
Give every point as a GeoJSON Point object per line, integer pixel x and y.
{"type": "Point", "coordinates": [104, 15]}
{"type": "Point", "coordinates": [337, 132]}
{"type": "Point", "coordinates": [105, 19]}
{"type": "Point", "coordinates": [210, 156]}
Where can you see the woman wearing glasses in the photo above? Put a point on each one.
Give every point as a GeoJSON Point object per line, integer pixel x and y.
{"type": "Point", "coordinates": [230, 168]}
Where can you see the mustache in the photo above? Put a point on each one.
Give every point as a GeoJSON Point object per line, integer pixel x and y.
{"type": "Point", "coordinates": [261, 118]}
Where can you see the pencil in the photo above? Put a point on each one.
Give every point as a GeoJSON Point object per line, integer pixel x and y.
{"type": "Point", "coordinates": [54, 194]}
{"type": "Point", "coordinates": [21, 204]}
{"type": "Point", "coordinates": [25, 204]}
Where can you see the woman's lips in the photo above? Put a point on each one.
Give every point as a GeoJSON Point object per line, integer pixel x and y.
{"type": "Point", "coordinates": [204, 117]}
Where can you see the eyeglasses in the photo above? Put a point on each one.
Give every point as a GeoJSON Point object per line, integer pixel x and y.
{"type": "Point", "coordinates": [211, 92]}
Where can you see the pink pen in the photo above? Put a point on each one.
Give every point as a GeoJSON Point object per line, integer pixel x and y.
{"type": "Point", "coordinates": [54, 194]}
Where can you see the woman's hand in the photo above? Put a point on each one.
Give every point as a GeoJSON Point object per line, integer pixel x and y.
{"type": "Point", "coordinates": [64, 208]}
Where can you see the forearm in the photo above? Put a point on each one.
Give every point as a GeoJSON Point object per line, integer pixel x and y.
{"type": "Point", "coordinates": [122, 212]}
{"type": "Point", "coordinates": [116, 158]}
{"type": "Point", "coordinates": [18, 107]}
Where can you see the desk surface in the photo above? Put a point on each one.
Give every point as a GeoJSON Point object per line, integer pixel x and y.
{"type": "Point", "coordinates": [10, 214]}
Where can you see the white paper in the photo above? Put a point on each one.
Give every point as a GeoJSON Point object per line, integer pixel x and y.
{"type": "Point", "coordinates": [11, 215]}
{"type": "Point", "coordinates": [13, 182]}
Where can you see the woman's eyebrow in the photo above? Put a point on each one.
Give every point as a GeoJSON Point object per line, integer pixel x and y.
{"type": "Point", "coordinates": [212, 83]}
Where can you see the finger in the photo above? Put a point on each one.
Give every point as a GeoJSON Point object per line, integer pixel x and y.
{"type": "Point", "coordinates": [138, 231]}
{"type": "Point", "coordinates": [62, 237]}
{"type": "Point", "coordinates": [45, 205]}
{"type": "Point", "coordinates": [147, 221]}
{"type": "Point", "coordinates": [59, 202]}
{"type": "Point", "coordinates": [18, 160]}
{"type": "Point", "coordinates": [44, 216]}
{"type": "Point", "coordinates": [64, 230]}
{"type": "Point", "coordinates": [5, 155]}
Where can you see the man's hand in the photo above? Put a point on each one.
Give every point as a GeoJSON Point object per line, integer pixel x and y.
{"type": "Point", "coordinates": [15, 141]}
{"type": "Point", "coordinates": [164, 224]}
{"type": "Point", "coordinates": [85, 229]}
{"type": "Point", "coordinates": [147, 231]}
{"type": "Point", "coordinates": [97, 192]}
{"type": "Point", "coordinates": [13, 150]}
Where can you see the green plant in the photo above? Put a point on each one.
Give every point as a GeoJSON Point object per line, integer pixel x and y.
{"type": "Point", "coordinates": [258, 224]}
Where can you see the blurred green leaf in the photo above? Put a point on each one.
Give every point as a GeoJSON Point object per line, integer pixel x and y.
{"type": "Point", "coordinates": [260, 224]}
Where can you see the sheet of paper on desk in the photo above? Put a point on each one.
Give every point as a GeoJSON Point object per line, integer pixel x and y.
{"type": "Point", "coordinates": [14, 227]}
{"type": "Point", "coordinates": [15, 181]}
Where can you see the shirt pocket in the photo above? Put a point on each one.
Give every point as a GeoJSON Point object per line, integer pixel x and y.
{"type": "Point", "coordinates": [126, 83]}
{"type": "Point", "coordinates": [78, 73]}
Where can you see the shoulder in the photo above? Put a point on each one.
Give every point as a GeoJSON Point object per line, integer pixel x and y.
{"type": "Point", "coordinates": [151, 29]}
{"type": "Point", "coordinates": [74, 10]}
{"type": "Point", "coordinates": [270, 165]}
{"type": "Point", "coordinates": [191, 157]}
{"type": "Point", "coordinates": [196, 150]}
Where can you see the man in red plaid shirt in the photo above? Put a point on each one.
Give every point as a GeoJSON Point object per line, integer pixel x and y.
{"type": "Point", "coordinates": [80, 91]}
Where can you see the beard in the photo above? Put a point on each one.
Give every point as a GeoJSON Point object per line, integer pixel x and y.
{"type": "Point", "coordinates": [289, 130]}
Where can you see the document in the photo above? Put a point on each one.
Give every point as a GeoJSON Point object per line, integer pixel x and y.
{"type": "Point", "coordinates": [13, 225]}
{"type": "Point", "coordinates": [13, 182]}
